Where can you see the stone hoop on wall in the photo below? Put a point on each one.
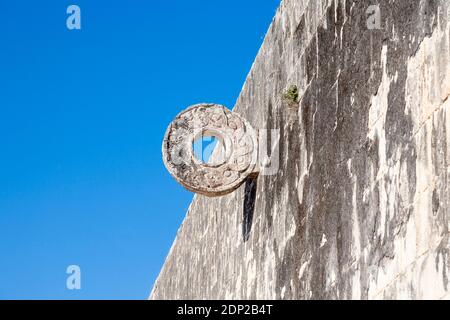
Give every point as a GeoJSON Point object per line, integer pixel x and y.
{"type": "Point", "coordinates": [229, 166]}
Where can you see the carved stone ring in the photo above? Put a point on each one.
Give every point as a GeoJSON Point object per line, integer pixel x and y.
{"type": "Point", "coordinates": [232, 161]}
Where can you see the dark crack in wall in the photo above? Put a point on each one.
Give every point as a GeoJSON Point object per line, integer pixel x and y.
{"type": "Point", "coordinates": [359, 207]}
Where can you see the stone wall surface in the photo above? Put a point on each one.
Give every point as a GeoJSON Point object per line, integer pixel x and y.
{"type": "Point", "coordinates": [359, 207]}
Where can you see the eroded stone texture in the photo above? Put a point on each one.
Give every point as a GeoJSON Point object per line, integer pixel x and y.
{"type": "Point", "coordinates": [360, 205]}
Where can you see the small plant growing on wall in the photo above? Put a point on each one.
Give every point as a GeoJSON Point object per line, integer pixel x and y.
{"type": "Point", "coordinates": [290, 97]}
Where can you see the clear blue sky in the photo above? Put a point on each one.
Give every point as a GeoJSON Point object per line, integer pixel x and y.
{"type": "Point", "coordinates": [83, 114]}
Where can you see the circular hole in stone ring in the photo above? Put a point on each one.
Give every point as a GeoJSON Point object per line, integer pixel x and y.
{"type": "Point", "coordinates": [218, 149]}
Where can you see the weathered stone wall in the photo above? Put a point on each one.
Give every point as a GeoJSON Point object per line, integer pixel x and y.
{"type": "Point", "coordinates": [359, 207]}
